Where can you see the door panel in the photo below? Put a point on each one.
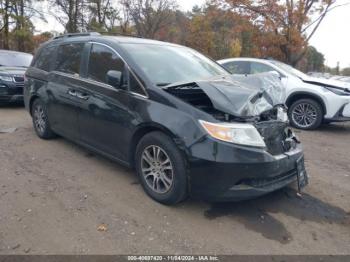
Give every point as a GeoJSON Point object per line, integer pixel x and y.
{"type": "Point", "coordinates": [104, 118]}
{"type": "Point", "coordinates": [63, 106]}
{"type": "Point", "coordinates": [61, 90]}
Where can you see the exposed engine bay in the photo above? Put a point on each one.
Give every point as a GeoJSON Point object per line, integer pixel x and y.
{"type": "Point", "coordinates": [257, 99]}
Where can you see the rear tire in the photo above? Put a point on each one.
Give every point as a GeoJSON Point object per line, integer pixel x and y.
{"type": "Point", "coordinates": [40, 119]}
{"type": "Point", "coordinates": [306, 114]}
{"type": "Point", "coordinates": [161, 168]}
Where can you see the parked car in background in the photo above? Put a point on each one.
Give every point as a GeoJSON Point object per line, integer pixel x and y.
{"type": "Point", "coordinates": [344, 79]}
{"type": "Point", "coordinates": [13, 65]}
{"type": "Point", "coordinates": [310, 101]}
{"type": "Point", "coordinates": [174, 115]}
{"type": "Point", "coordinates": [319, 75]}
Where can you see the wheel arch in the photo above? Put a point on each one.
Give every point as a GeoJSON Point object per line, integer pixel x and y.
{"type": "Point", "coordinates": [31, 101]}
{"type": "Point", "coordinates": [305, 95]}
{"type": "Point", "coordinates": [142, 131]}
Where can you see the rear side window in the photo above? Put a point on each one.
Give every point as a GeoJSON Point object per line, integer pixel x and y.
{"type": "Point", "coordinates": [238, 67]}
{"type": "Point", "coordinates": [43, 62]}
{"type": "Point", "coordinates": [69, 58]}
{"type": "Point", "coordinates": [102, 59]}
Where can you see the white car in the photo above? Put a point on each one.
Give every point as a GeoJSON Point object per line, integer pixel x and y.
{"type": "Point", "coordinates": [311, 101]}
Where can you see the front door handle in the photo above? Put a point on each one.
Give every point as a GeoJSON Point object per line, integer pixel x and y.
{"type": "Point", "coordinates": [82, 96]}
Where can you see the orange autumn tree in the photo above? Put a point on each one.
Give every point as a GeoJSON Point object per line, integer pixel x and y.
{"type": "Point", "coordinates": [286, 25]}
{"type": "Point", "coordinates": [220, 33]}
{"type": "Point", "coordinates": [200, 35]}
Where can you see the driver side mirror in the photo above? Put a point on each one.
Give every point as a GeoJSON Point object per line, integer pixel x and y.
{"type": "Point", "coordinates": [114, 78]}
{"type": "Point", "coordinates": [277, 74]}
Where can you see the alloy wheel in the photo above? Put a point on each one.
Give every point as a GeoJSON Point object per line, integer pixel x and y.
{"type": "Point", "coordinates": [39, 119]}
{"type": "Point", "coordinates": [304, 115]}
{"type": "Point", "coordinates": [157, 169]}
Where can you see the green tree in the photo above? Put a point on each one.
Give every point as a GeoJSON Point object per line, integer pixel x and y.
{"type": "Point", "coordinates": [16, 27]}
{"type": "Point", "coordinates": [315, 60]}
{"type": "Point", "coordinates": [346, 71]}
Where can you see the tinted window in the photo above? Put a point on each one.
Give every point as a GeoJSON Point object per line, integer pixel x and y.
{"type": "Point", "coordinates": [43, 62]}
{"type": "Point", "coordinates": [256, 68]}
{"type": "Point", "coordinates": [102, 60]}
{"type": "Point", "coordinates": [15, 59]}
{"type": "Point", "coordinates": [238, 67]}
{"type": "Point", "coordinates": [69, 57]}
{"type": "Point", "coordinates": [165, 64]}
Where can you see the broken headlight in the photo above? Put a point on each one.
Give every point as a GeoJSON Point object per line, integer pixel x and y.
{"type": "Point", "coordinates": [237, 133]}
{"type": "Point", "coordinates": [282, 114]}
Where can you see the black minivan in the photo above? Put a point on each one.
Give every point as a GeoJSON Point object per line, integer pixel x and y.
{"type": "Point", "coordinates": [180, 119]}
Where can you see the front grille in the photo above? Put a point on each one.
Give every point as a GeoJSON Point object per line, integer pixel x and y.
{"type": "Point", "coordinates": [18, 79]}
{"type": "Point", "coordinates": [268, 181]}
{"type": "Point", "coordinates": [277, 136]}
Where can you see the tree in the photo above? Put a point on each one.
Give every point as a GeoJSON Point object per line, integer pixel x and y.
{"type": "Point", "coordinates": [149, 16]}
{"type": "Point", "coordinates": [315, 60]}
{"type": "Point", "coordinates": [346, 71]}
{"type": "Point", "coordinates": [42, 38]}
{"type": "Point", "coordinates": [200, 35]}
{"type": "Point", "coordinates": [102, 15]}
{"type": "Point", "coordinates": [221, 33]}
{"type": "Point", "coordinates": [16, 28]}
{"type": "Point", "coordinates": [6, 12]}
{"type": "Point", "coordinates": [287, 24]}
{"type": "Point", "coordinates": [73, 10]}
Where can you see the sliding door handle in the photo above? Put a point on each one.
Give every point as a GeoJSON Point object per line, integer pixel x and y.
{"type": "Point", "coordinates": [72, 93]}
{"type": "Point", "coordinates": [82, 96]}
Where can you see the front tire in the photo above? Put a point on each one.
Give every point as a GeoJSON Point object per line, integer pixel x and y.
{"type": "Point", "coordinates": [161, 168]}
{"type": "Point", "coordinates": [305, 114]}
{"type": "Point", "coordinates": [40, 120]}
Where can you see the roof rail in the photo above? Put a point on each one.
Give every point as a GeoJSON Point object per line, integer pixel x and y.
{"type": "Point", "coordinates": [120, 34]}
{"type": "Point", "coordinates": [77, 34]}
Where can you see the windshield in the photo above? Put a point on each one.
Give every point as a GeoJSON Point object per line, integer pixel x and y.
{"type": "Point", "coordinates": [166, 64]}
{"type": "Point", "coordinates": [289, 69]}
{"type": "Point", "coordinates": [15, 59]}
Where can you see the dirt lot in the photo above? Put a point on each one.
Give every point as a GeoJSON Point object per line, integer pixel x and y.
{"type": "Point", "coordinates": [54, 195]}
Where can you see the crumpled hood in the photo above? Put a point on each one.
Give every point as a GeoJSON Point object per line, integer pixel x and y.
{"type": "Point", "coordinates": [242, 96]}
{"type": "Point", "coordinates": [6, 70]}
{"type": "Point", "coordinates": [327, 82]}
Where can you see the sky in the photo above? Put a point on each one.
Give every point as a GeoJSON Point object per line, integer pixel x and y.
{"type": "Point", "coordinates": [332, 37]}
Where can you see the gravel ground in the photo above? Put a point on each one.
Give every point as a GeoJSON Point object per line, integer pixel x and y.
{"type": "Point", "coordinates": [57, 198]}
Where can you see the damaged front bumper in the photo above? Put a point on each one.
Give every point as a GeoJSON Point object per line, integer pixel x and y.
{"type": "Point", "coordinates": [232, 173]}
